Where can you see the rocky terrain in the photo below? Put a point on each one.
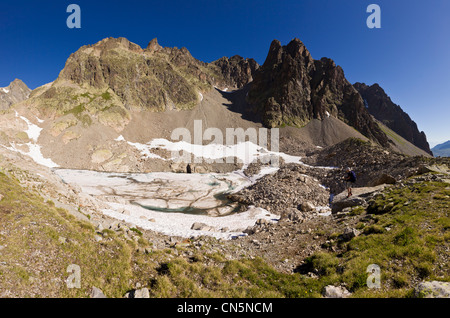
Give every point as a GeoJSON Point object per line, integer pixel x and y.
{"type": "Point", "coordinates": [236, 70]}
{"type": "Point", "coordinates": [15, 92]}
{"type": "Point", "coordinates": [305, 253]}
{"type": "Point", "coordinates": [113, 109]}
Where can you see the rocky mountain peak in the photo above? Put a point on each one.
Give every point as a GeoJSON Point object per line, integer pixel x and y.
{"type": "Point", "coordinates": [115, 43]}
{"type": "Point", "coordinates": [15, 92]}
{"type": "Point", "coordinates": [291, 88]}
{"type": "Point", "coordinates": [236, 70]}
{"type": "Point", "coordinates": [113, 77]}
{"type": "Point", "coordinates": [297, 48]}
{"type": "Point", "coordinates": [153, 45]}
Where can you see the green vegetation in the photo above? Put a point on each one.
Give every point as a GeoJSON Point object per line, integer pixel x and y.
{"type": "Point", "coordinates": [106, 96]}
{"type": "Point", "coordinates": [408, 239]}
{"type": "Point", "coordinates": [36, 257]}
{"type": "Point", "coordinates": [392, 134]}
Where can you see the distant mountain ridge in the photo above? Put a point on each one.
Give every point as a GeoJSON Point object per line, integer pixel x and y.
{"type": "Point", "coordinates": [442, 150]}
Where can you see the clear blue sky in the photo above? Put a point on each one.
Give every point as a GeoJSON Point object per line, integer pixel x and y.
{"type": "Point", "coordinates": [409, 56]}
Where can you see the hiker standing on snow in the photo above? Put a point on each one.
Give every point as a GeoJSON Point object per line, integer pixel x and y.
{"type": "Point", "coordinates": [350, 178]}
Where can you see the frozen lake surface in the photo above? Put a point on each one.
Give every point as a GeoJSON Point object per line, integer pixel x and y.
{"type": "Point", "coordinates": [170, 203]}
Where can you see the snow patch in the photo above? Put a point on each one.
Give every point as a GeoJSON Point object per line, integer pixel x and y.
{"type": "Point", "coordinates": [179, 224]}
{"type": "Point", "coordinates": [145, 150]}
{"type": "Point", "coordinates": [34, 150]}
{"type": "Point", "coordinates": [246, 152]}
{"type": "Point", "coordinates": [222, 90]}
{"type": "Point", "coordinates": [33, 130]}
{"type": "Point", "coordinates": [5, 90]}
{"type": "Point", "coordinates": [120, 138]}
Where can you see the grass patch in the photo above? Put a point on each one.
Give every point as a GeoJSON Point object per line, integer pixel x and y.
{"type": "Point", "coordinates": [136, 231]}
{"type": "Point", "coordinates": [106, 96]}
{"type": "Point", "coordinates": [413, 249]}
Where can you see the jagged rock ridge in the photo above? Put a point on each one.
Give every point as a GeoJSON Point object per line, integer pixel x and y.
{"type": "Point", "coordinates": [380, 105]}
{"type": "Point", "coordinates": [291, 88]}
{"type": "Point", "coordinates": [236, 70]}
{"type": "Point", "coordinates": [107, 82]}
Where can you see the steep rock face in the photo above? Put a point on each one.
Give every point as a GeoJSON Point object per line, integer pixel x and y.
{"type": "Point", "coordinates": [236, 70]}
{"type": "Point", "coordinates": [108, 81]}
{"type": "Point", "coordinates": [151, 78]}
{"type": "Point", "coordinates": [380, 105]}
{"type": "Point", "coordinates": [291, 88]}
{"type": "Point", "coordinates": [15, 92]}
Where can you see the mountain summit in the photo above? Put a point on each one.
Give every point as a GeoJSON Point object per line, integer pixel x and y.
{"type": "Point", "coordinates": [15, 92]}
{"type": "Point", "coordinates": [291, 88]}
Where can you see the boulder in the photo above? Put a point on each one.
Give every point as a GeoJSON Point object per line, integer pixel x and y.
{"type": "Point", "coordinates": [433, 289]}
{"type": "Point", "coordinates": [292, 214]}
{"type": "Point", "coordinates": [346, 203]}
{"type": "Point", "coordinates": [142, 293]}
{"type": "Point", "coordinates": [433, 168]}
{"type": "Point", "coordinates": [359, 197]}
{"type": "Point", "coordinates": [97, 293]}
{"type": "Point", "coordinates": [349, 233]}
{"type": "Point", "coordinates": [198, 226]}
{"type": "Point", "coordinates": [306, 206]}
{"type": "Point", "coordinates": [383, 179]}
{"type": "Point", "coordinates": [138, 293]}
{"type": "Point", "coordinates": [331, 291]}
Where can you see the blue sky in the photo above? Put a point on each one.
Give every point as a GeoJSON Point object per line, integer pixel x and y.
{"type": "Point", "coordinates": [409, 56]}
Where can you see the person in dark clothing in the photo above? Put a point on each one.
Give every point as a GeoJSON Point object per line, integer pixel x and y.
{"type": "Point", "coordinates": [350, 179]}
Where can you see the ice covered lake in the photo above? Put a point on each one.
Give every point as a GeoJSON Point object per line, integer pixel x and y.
{"type": "Point", "coordinates": [170, 203]}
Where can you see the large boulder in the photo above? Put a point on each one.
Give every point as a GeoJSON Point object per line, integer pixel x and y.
{"type": "Point", "coordinates": [331, 291]}
{"type": "Point", "coordinates": [339, 205]}
{"type": "Point", "coordinates": [349, 233]}
{"type": "Point", "coordinates": [433, 168]}
{"type": "Point", "coordinates": [383, 179]}
{"type": "Point", "coordinates": [359, 197]}
{"type": "Point", "coordinates": [97, 293]}
{"type": "Point", "coordinates": [434, 289]}
{"type": "Point", "coordinates": [198, 226]}
{"type": "Point", "coordinates": [306, 206]}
